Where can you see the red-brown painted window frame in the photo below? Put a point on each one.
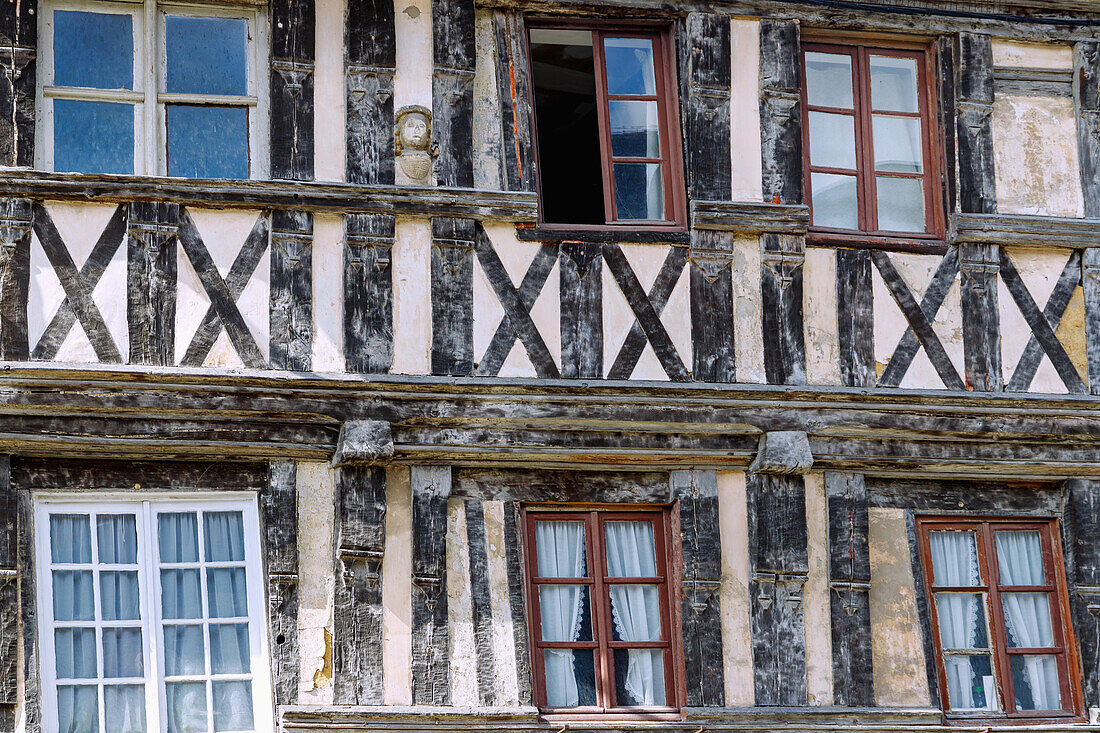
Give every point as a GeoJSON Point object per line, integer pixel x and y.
{"type": "Point", "coordinates": [933, 238]}
{"type": "Point", "coordinates": [599, 602]}
{"type": "Point", "coordinates": [668, 108]}
{"type": "Point", "coordinates": [1069, 680]}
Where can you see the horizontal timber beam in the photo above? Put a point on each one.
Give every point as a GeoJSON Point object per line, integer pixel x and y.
{"type": "Point", "coordinates": [1025, 230]}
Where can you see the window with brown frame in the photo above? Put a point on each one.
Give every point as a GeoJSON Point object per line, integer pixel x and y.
{"type": "Point", "coordinates": [998, 602]}
{"type": "Point", "coordinates": [599, 595]}
{"type": "Point", "coordinates": [608, 140]}
{"type": "Point", "coordinates": [871, 165]}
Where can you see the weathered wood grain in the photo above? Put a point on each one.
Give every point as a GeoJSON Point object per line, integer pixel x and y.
{"type": "Point", "coordinates": [1086, 91]}
{"type": "Point", "coordinates": [581, 282]}
{"type": "Point", "coordinates": [946, 63]}
{"type": "Point", "coordinates": [974, 105]}
{"type": "Point", "coordinates": [370, 58]}
{"type": "Point", "coordinates": [781, 285]}
{"type": "Point", "coordinates": [712, 323]}
{"type": "Point", "coordinates": [480, 602]}
{"type": "Point", "coordinates": [42, 474]}
{"type": "Point", "coordinates": [279, 507]}
{"type": "Point", "coordinates": [1055, 308]}
{"type": "Point", "coordinates": [454, 59]}
{"type": "Point", "coordinates": [923, 615]}
{"type": "Point", "coordinates": [431, 487]}
{"type": "Point", "coordinates": [780, 111]}
{"type": "Point", "coordinates": [855, 308]}
{"type": "Point", "coordinates": [1080, 527]}
{"type": "Point", "coordinates": [368, 293]}
{"type": "Point", "coordinates": [707, 106]}
{"type": "Point", "coordinates": [151, 263]}
{"type": "Point", "coordinates": [981, 322]}
{"type": "Point", "coordinates": [452, 296]}
{"type": "Point", "coordinates": [514, 92]}
{"type": "Point", "coordinates": [517, 599]}
{"type": "Point", "coordinates": [358, 670]}
{"type": "Point", "coordinates": [1090, 280]}
{"type": "Point", "coordinates": [293, 53]}
{"type": "Point", "coordinates": [520, 485]}
{"type": "Point", "coordinates": [16, 223]}
{"type": "Point", "coordinates": [28, 613]}
{"type": "Point", "coordinates": [18, 57]}
{"type": "Point", "coordinates": [9, 587]}
{"type": "Point", "coordinates": [291, 291]}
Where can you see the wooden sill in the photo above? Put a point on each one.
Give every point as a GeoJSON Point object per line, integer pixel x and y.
{"type": "Point", "coordinates": [640, 235]}
{"type": "Point", "coordinates": [920, 245]}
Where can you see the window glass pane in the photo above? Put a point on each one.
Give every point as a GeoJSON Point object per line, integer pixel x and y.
{"type": "Point", "coordinates": [832, 140]}
{"type": "Point", "coordinates": [900, 204]}
{"type": "Point", "coordinates": [635, 612]}
{"type": "Point", "coordinates": [639, 191]}
{"type": "Point", "coordinates": [565, 612]}
{"type": "Point", "coordinates": [186, 707]}
{"type": "Point", "coordinates": [560, 549]}
{"type": "Point", "coordinates": [970, 683]}
{"type": "Point", "coordinates": [226, 592]}
{"type": "Point", "coordinates": [178, 537]}
{"type": "Point", "coordinates": [1035, 682]}
{"type": "Point", "coordinates": [93, 137]}
{"type": "Point", "coordinates": [954, 558]}
{"type": "Point", "coordinates": [1020, 558]}
{"type": "Point", "coordinates": [634, 129]}
{"type": "Point", "coordinates": [183, 651]}
{"type": "Point", "coordinates": [119, 598]}
{"type": "Point", "coordinates": [829, 80]}
{"type": "Point", "coordinates": [70, 538]}
{"type": "Point", "coordinates": [962, 620]}
{"type": "Point", "coordinates": [631, 549]}
{"type": "Point", "coordinates": [570, 169]}
{"type": "Point", "coordinates": [74, 652]}
{"type": "Point", "coordinates": [640, 677]}
{"type": "Point", "coordinates": [224, 536]}
{"type": "Point", "coordinates": [1027, 620]}
{"type": "Point", "coordinates": [180, 596]}
{"type": "Point", "coordinates": [898, 144]}
{"type": "Point", "coordinates": [124, 708]}
{"type": "Point", "coordinates": [78, 708]}
{"type": "Point", "coordinates": [570, 677]}
{"type": "Point", "coordinates": [232, 706]}
{"type": "Point", "coordinates": [117, 537]}
{"type": "Point", "coordinates": [229, 649]}
{"type": "Point", "coordinates": [835, 201]}
{"type": "Point", "coordinates": [73, 597]}
{"type": "Point", "coordinates": [207, 142]}
{"type": "Point", "coordinates": [93, 50]}
{"type": "Point", "coordinates": [206, 55]}
{"type": "Point", "coordinates": [122, 653]}
{"type": "Point", "coordinates": [894, 84]}
{"type": "Point", "coordinates": [629, 64]}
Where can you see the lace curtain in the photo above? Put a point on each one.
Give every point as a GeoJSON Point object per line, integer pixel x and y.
{"type": "Point", "coordinates": [560, 555]}
{"type": "Point", "coordinates": [635, 608]}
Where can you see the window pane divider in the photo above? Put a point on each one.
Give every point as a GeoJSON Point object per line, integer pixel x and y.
{"type": "Point", "coordinates": [90, 94]}
{"type": "Point", "coordinates": [236, 100]}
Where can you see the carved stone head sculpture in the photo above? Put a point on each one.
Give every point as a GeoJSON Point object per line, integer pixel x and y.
{"type": "Point", "coordinates": [413, 142]}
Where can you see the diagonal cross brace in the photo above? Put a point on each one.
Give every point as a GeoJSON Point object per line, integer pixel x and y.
{"type": "Point", "coordinates": [517, 304]}
{"type": "Point", "coordinates": [78, 285]}
{"type": "Point", "coordinates": [920, 319]}
{"type": "Point", "coordinates": [1042, 328]}
{"type": "Point", "coordinates": [223, 293]}
{"type": "Point", "coordinates": [647, 309]}
{"type": "Point", "coordinates": [1057, 303]}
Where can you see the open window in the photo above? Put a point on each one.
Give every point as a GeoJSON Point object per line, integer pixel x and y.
{"type": "Point", "coordinates": [608, 139]}
{"type": "Point", "coordinates": [999, 608]}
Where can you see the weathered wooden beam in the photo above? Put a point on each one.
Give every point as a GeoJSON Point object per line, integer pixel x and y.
{"type": "Point", "coordinates": [39, 474]}
{"type": "Point", "coordinates": [783, 452]}
{"type": "Point", "coordinates": [368, 293]}
{"type": "Point", "coordinates": [855, 308]}
{"type": "Point", "coordinates": [516, 109]}
{"type": "Point", "coordinates": [750, 217]}
{"type": "Point", "coordinates": [696, 494]}
{"type": "Point", "coordinates": [151, 263]}
{"type": "Point", "coordinates": [978, 265]}
{"type": "Point", "coordinates": [1090, 280]}
{"type": "Point", "coordinates": [780, 111]}
{"type": "Point", "coordinates": [431, 486]}
{"type": "Point", "coordinates": [16, 224]}
{"type": "Point", "coordinates": [18, 57]}
{"type": "Point", "coordinates": [291, 290]}
{"type": "Point", "coordinates": [1081, 524]}
{"type": "Point", "coordinates": [370, 59]}
{"type": "Point", "coordinates": [293, 54]}
{"type": "Point", "coordinates": [452, 296]}
{"type": "Point", "coordinates": [364, 443]}
{"type": "Point", "coordinates": [946, 64]}
{"type": "Point", "coordinates": [581, 283]}
{"type": "Point", "coordinates": [707, 106]}
{"type": "Point", "coordinates": [517, 600]}
{"type": "Point", "coordinates": [480, 602]}
{"type": "Point", "coordinates": [1086, 91]}
{"type": "Point", "coordinates": [781, 284]}
{"type": "Point", "coordinates": [712, 323]}
{"type": "Point", "coordinates": [360, 541]}
{"type": "Point", "coordinates": [9, 590]}
{"type": "Point", "coordinates": [850, 584]}
{"type": "Point", "coordinates": [454, 61]}
{"type": "Point", "coordinates": [1025, 230]}
{"type": "Point", "coordinates": [28, 612]}
{"type": "Point", "coordinates": [1028, 82]}
{"type": "Point", "coordinates": [279, 506]}
{"type": "Point", "coordinates": [974, 105]}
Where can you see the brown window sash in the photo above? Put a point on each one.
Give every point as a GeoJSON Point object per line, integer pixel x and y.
{"type": "Point", "coordinates": [991, 588]}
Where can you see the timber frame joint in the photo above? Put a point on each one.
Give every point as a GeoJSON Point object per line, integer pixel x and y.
{"type": "Point", "coordinates": [363, 443]}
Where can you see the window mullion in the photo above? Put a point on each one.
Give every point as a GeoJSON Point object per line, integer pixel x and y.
{"type": "Point", "coordinates": [868, 210]}
{"type": "Point", "coordinates": [97, 616]}
{"type": "Point", "coordinates": [151, 615]}
{"type": "Point", "coordinates": [996, 621]}
{"type": "Point", "coordinates": [603, 116]}
{"type": "Point", "coordinates": [150, 113]}
{"type": "Point", "coordinates": [605, 685]}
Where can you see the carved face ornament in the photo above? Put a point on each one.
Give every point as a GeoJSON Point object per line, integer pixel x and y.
{"type": "Point", "coordinates": [413, 142]}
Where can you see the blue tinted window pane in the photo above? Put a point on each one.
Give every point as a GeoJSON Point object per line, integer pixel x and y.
{"type": "Point", "coordinates": [629, 66]}
{"type": "Point", "coordinates": [93, 50]}
{"type": "Point", "coordinates": [93, 137]}
{"type": "Point", "coordinates": [207, 142]}
{"type": "Point", "coordinates": [207, 55]}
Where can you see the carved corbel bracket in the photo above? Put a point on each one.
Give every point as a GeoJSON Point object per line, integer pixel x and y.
{"type": "Point", "coordinates": [431, 586]}
{"type": "Point", "coordinates": [379, 245]}
{"type": "Point", "coordinates": [14, 59]}
{"type": "Point", "coordinates": [362, 562]}
{"type": "Point", "coordinates": [783, 265]}
{"type": "Point", "coordinates": [294, 73]}
{"type": "Point", "coordinates": [363, 80]}
{"type": "Point", "coordinates": [847, 591]}
{"type": "Point", "coordinates": [711, 263]}
{"type": "Point", "coordinates": [979, 267]}
{"type": "Point", "coordinates": [974, 113]}
{"type": "Point", "coordinates": [779, 586]}
{"type": "Point", "coordinates": [153, 235]}
{"type": "Point", "coordinates": [781, 104]}
{"type": "Point", "coordinates": [293, 245]}
{"type": "Point", "coordinates": [1090, 594]}
{"type": "Point", "coordinates": [15, 226]}
{"type": "Point", "coordinates": [698, 592]}
{"type": "Point", "coordinates": [783, 452]}
{"type": "Point", "coordinates": [364, 443]}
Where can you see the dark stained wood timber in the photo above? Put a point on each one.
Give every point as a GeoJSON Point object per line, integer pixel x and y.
{"type": "Point", "coordinates": [16, 223]}
{"type": "Point", "coordinates": [592, 487]}
{"type": "Point", "coordinates": [514, 92]}
{"type": "Point", "coordinates": [151, 264]}
{"type": "Point", "coordinates": [18, 57]}
{"type": "Point", "coordinates": [513, 548]}
{"type": "Point", "coordinates": [454, 60]}
{"type": "Point", "coordinates": [368, 293]}
{"type": "Point", "coordinates": [781, 286]}
{"type": "Point", "coordinates": [707, 107]}
{"type": "Point", "coordinates": [850, 585]}
{"type": "Point", "coordinates": [855, 317]}
{"type": "Point", "coordinates": [1079, 528]}
{"type": "Point", "coordinates": [480, 601]}
{"type": "Point", "coordinates": [1053, 311]}
{"type": "Point", "coordinates": [370, 58]}
{"type": "Point", "coordinates": [1086, 91]}
{"type": "Point", "coordinates": [978, 266]}
{"type": "Point", "coordinates": [974, 102]}
{"type": "Point", "coordinates": [1090, 280]}
{"type": "Point", "coordinates": [1025, 230]}
{"type": "Point", "coordinates": [43, 474]}
{"type": "Point", "coordinates": [431, 486]}
{"type": "Point", "coordinates": [713, 327]}
{"type": "Point", "coordinates": [780, 111]}
{"type": "Point", "coordinates": [293, 52]}
{"type": "Point", "coordinates": [749, 217]}
{"type": "Point", "coordinates": [581, 282]}
{"type": "Point", "coordinates": [279, 505]}
{"type": "Point", "coordinates": [291, 290]}
{"type": "Point", "coordinates": [9, 588]}
{"type": "Point", "coordinates": [28, 612]}
{"type": "Point", "coordinates": [452, 296]}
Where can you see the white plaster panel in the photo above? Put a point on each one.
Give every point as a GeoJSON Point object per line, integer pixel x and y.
{"type": "Point", "coordinates": [677, 317]}
{"type": "Point", "coordinates": [329, 116]}
{"type": "Point", "coordinates": [1032, 55]}
{"type": "Point", "coordinates": [748, 309]}
{"type": "Point", "coordinates": [412, 301]}
{"type": "Point", "coordinates": [488, 313]}
{"type": "Point", "coordinates": [506, 680]}
{"type": "Point", "coordinates": [460, 614]}
{"type": "Point", "coordinates": [412, 82]}
{"type": "Point", "coordinates": [518, 363]}
{"type": "Point", "coordinates": [487, 139]}
{"type": "Point", "coordinates": [819, 647]}
{"type": "Point", "coordinates": [747, 177]}
{"type": "Point", "coordinates": [646, 261]}
{"type": "Point", "coordinates": [1035, 156]}
{"type": "Point", "coordinates": [397, 589]}
{"type": "Point", "coordinates": [820, 308]}
{"type": "Point", "coordinates": [328, 293]}
{"type": "Point", "coordinates": [734, 590]}
{"type": "Point", "coordinates": [546, 314]}
{"type": "Point", "coordinates": [316, 521]}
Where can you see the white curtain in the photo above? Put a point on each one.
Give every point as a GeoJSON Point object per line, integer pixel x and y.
{"type": "Point", "coordinates": [77, 709]}
{"type": "Point", "coordinates": [124, 708]}
{"type": "Point", "coordinates": [177, 537]}
{"type": "Point", "coordinates": [635, 608]}
{"type": "Point", "coordinates": [560, 549]}
{"type": "Point", "coordinates": [224, 536]}
{"type": "Point", "coordinates": [70, 538]}
{"type": "Point", "coordinates": [186, 707]}
{"type": "Point", "coordinates": [117, 539]}
{"type": "Point", "coordinates": [1027, 615]}
{"type": "Point", "coordinates": [232, 706]}
{"type": "Point", "coordinates": [955, 563]}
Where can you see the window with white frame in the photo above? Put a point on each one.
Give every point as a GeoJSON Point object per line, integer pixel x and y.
{"type": "Point", "coordinates": [151, 616]}
{"type": "Point", "coordinates": [151, 89]}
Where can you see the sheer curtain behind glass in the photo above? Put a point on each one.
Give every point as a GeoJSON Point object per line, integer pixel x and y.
{"type": "Point", "coordinates": [961, 616]}
{"type": "Point", "coordinates": [635, 608]}
{"type": "Point", "coordinates": [561, 554]}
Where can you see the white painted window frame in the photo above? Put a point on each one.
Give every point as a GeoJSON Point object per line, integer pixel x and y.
{"type": "Point", "coordinates": [149, 96]}
{"type": "Point", "coordinates": [144, 507]}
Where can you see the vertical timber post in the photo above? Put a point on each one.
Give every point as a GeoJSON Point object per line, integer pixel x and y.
{"type": "Point", "coordinates": [280, 515]}
{"type": "Point", "coordinates": [293, 44]}
{"type": "Point", "coordinates": [431, 487]}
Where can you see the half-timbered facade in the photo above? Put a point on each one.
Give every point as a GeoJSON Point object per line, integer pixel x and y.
{"type": "Point", "coordinates": [520, 365]}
